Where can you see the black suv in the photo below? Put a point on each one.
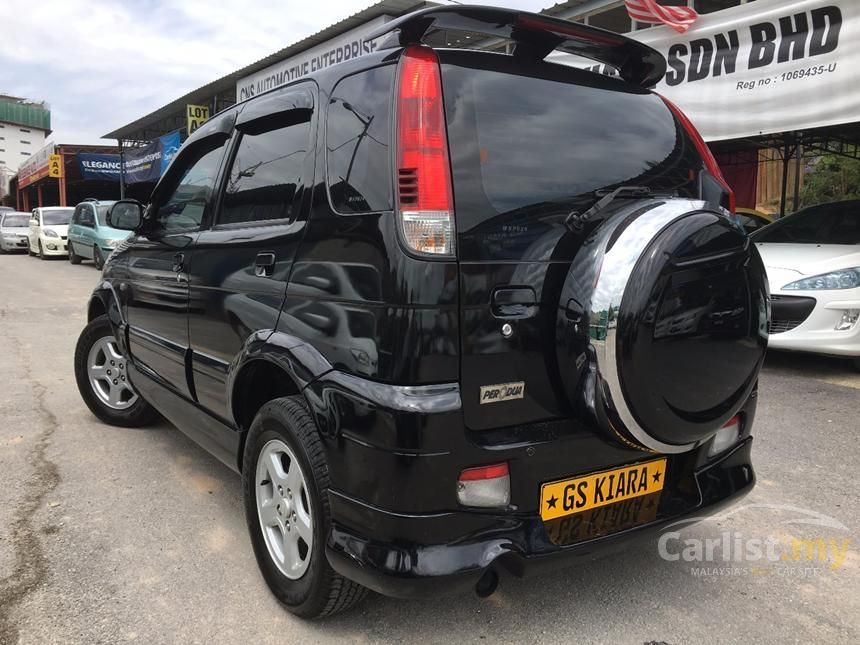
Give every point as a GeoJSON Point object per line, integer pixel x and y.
{"type": "Point", "coordinates": [449, 313]}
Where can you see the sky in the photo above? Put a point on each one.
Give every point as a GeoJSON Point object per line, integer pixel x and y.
{"type": "Point", "coordinates": [103, 63]}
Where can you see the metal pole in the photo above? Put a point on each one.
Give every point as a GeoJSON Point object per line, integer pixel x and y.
{"type": "Point", "coordinates": [121, 171]}
{"type": "Point", "coordinates": [786, 156]}
{"type": "Point", "coordinates": [797, 177]}
{"type": "Point", "coordinates": [62, 180]}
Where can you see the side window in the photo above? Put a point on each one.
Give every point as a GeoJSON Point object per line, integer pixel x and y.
{"type": "Point", "coordinates": [76, 215]}
{"type": "Point", "coordinates": [265, 175]}
{"type": "Point", "coordinates": [86, 218]}
{"type": "Point", "coordinates": [186, 204]}
{"type": "Point", "coordinates": [357, 142]}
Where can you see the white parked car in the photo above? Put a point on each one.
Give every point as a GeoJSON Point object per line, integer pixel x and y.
{"type": "Point", "coordinates": [49, 230]}
{"type": "Point", "coordinates": [14, 228]}
{"type": "Point", "coordinates": [813, 266]}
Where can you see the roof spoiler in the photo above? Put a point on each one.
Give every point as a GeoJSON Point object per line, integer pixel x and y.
{"type": "Point", "coordinates": [535, 35]}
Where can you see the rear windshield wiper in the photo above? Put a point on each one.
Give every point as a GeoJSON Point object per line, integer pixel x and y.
{"type": "Point", "coordinates": [576, 221]}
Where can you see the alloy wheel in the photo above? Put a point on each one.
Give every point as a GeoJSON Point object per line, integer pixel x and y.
{"type": "Point", "coordinates": [106, 368]}
{"type": "Point", "coordinates": [283, 508]}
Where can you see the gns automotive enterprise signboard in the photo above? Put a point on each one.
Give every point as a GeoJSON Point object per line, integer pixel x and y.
{"type": "Point", "coordinates": [347, 46]}
{"type": "Point", "coordinates": [764, 67]}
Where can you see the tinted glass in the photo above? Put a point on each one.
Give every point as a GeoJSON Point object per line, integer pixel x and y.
{"type": "Point", "coordinates": [265, 175]}
{"type": "Point", "coordinates": [15, 220]}
{"type": "Point", "coordinates": [532, 142]}
{"type": "Point", "coordinates": [752, 223]}
{"type": "Point", "coordinates": [53, 217]}
{"type": "Point", "coordinates": [184, 209]}
{"type": "Point", "coordinates": [357, 142]}
{"type": "Point", "coordinates": [825, 224]}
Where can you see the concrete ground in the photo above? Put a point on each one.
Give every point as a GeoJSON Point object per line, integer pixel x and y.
{"type": "Point", "coordinates": [110, 535]}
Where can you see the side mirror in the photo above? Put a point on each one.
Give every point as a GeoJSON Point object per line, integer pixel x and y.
{"type": "Point", "coordinates": [126, 215]}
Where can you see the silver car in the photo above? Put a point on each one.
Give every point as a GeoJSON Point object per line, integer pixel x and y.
{"type": "Point", "coordinates": [14, 230]}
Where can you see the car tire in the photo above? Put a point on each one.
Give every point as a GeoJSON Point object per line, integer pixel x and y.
{"type": "Point", "coordinates": [98, 260]}
{"type": "Point", "coordinates": [857, 364]}
{"type": "Point", "coordinates": [74, 258]}
{"type": "Point", "coordinates": [315, 590]}
{"type": "Point", "coordinates": [41, 253]}
{"type": "Point", "coordinates": [128, 413]}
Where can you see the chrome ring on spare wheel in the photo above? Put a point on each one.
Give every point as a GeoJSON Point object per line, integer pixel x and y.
{"type": "Point", "coordinates": [284, 509]}
{"type": "Point", "coordinates": [106, 369]}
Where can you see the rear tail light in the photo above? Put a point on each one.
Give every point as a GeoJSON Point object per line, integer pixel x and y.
{"type": "Point", "coordinates": [704, 151]}
{"type": "Point", "coordinates": [726, 437]}
{"type": "Point", "coordinates": [424, 196]}
{"type": "Point", "coordinates": [486, 486]}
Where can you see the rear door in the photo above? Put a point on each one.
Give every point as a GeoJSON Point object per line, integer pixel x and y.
{"type": "Point", "coordinates": [531, 142]}
{"type": "Point", "coordinates": [241, 264]}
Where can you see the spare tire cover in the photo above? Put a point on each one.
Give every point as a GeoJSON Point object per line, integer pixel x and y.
{"type": "Point", "coordinates": [670, 301]}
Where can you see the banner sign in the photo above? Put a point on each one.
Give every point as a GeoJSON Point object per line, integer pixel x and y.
{"type": "Point", "coordinates": [98, 167]}
{"type": "Point", "coordinates": [763, 67]}
{"type": "Point", "coordinates": [347, 46]}
{"type": "Point", "coordinates": [141, 164]}
{"type": "Point", "coordinates": [55, 166]}
{"type": "Point", "coordinates": [35, 167]}
{"type": "Point", "coordinates": [148, 163]}
{"type": "Point", "coordinates": [196, 115]}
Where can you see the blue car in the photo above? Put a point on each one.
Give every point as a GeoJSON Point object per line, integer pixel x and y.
{"type": "Point", "coordinates": [90, 238]}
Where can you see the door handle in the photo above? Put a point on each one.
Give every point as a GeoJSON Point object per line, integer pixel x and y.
{"type": "Point", "coordinates": [514, 302]}
{"type": "Point", "coordinates": [178, 262]}
{"type": "Point", "coordinates": [264, 264]}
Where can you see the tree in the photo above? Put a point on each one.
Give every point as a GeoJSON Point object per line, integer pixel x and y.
{"type": "Point", "coordinates": [832, 179]}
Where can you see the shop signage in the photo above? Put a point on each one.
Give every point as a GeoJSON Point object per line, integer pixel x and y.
{"type": "Point", "coordinates": [55, 166]}
{"type": "Point", "coordinates": [763, 67]}
{"type": "Point", "coordinates": [145, 164]}
{"type": "Point", "coordinates": [36, 167]}
{"type": "Point", "coordinates": [196, 115]}
{"type": "Point", "coordinates": [148, 163]}
{"type": "Point", "coordinates": [347, 46]}
{"type": "Point", "coordinates": [99, 167]}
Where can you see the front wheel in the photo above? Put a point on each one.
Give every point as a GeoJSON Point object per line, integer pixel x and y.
{"type": "Point", "coordinates": [41, 251]}
{"type": "Point", "coordinates": [285, 483]}
{"type": "Point", "coordinates": [74, 258]}
{"type": "Point", "coordinates": [101, 372]}
{"type": "Point", "coordinates": [98, 260]}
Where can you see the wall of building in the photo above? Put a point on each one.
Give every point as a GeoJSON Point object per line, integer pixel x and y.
{"type": "Point", "coordinates": [17, 144]}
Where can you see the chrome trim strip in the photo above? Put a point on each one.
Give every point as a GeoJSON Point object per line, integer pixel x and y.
{"type": "Point", "coordinates": [619, 262]}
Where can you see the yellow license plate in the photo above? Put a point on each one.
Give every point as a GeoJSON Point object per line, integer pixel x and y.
{"type": "Point", "coordinates": [579, 494]}
{"type": "Point", "coordinates": [603, 520]}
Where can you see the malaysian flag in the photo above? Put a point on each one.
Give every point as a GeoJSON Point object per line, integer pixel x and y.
{"type": "Point", "coordinates": [678, 18]}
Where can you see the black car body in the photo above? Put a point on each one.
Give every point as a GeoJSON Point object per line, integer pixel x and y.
{"type": "Point", "coordinates": [558, 327]}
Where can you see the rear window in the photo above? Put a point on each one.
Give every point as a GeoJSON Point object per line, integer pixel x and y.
{"type": "Point", "coordinates": [531, 142]}
{"type": "Point", "coordinates": [357, 142]}
{"type": "Point", "coordinates": [837, 223]}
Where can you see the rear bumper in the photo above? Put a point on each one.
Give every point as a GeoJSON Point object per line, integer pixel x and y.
{"type": "Point", "coordinates": [406, 555]}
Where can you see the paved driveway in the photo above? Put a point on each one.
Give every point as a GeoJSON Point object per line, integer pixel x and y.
{"type": "Point", "coordinates": [110, 535]}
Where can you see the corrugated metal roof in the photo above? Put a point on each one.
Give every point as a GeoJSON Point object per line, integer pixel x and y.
{"type": "Point", "coordinates": [228, 82]}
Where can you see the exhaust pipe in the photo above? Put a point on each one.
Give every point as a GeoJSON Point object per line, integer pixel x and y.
{"type": "Point", "coordinates": [487, 584]}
